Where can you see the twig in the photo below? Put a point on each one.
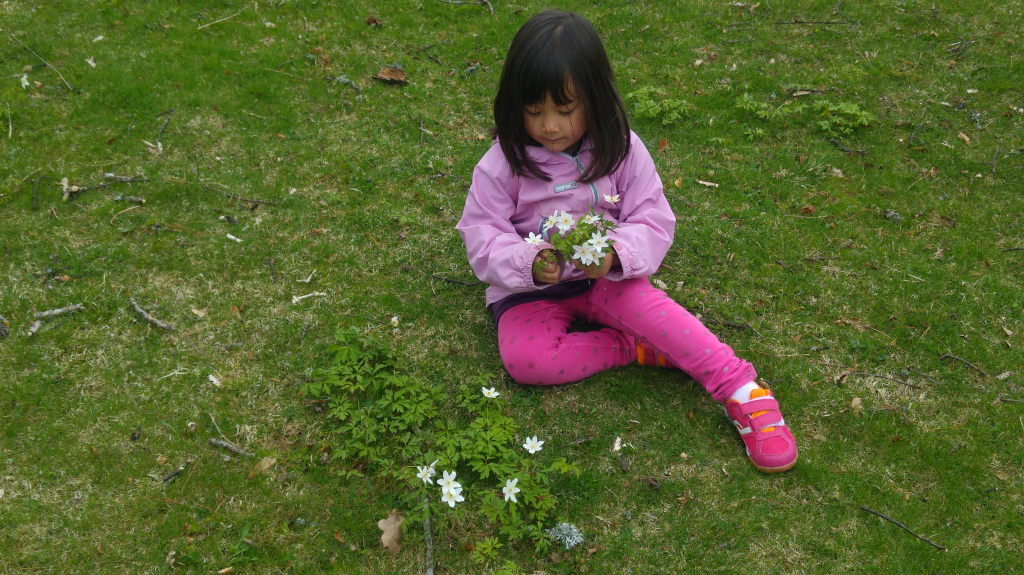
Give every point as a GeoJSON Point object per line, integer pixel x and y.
{"type": "Point", "coordinates": [162, 126]}
{"type": "Point", "coordinates": [905, 528]}
{"type": "Point", "coordinates": [994, 154]}
{"type": "Point", "coordinates": [35, 194]}
{"type": "Point", "coordinates": [297, 298]}
{"type": "Point", "coordinates": [887, 377]}
{"type": "Point", "coordinates": [836, 22]}
{"type": "Point", "coordinates": [48, 65]}
{"type": "Point", "coordinates": [35, 327]}
{"type": "Point", "coordinates": [230, 447]}
{"type": "Point", "coordinates": [174, 473]}
{"type": "Point", "coordinates": [10, 126]}
{"type": "Point", "coordinates": [150, 318]}
{"type": "Point", "coordinates": [273, 274]}
{"type": "Point", "coordinates": [222, 19]}
{"type": "Point", "coordinates": [1002, 399]}
{"type": "Point", "coordinates": [451, 281]}
{"type": "Point", "coordinates": [1013, 250]}
{"type": "Point", "coordinates": [59, 311]}
{"type": "Point", "coordinates": [960, 359]}
{"type": "Point", "coordinates": [4, 331]}
{"type": "Point", "coordinates": [121, 212]}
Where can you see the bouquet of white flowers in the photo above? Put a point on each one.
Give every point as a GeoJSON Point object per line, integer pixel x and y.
{"type": "Point", "coordinates": [584, 240]}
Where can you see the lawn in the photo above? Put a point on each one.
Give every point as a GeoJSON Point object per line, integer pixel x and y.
{"type": "Point", "coordinates": [847, 183]}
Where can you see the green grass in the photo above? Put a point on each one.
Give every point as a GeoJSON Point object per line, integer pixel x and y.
{"type": "Point", "coordinates": [826, 281]}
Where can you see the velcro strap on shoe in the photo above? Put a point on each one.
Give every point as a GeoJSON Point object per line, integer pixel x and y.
{"type": "Point", "coordinates": [759, 404]}
{"type": "Point", "coordinates": [769, 419]}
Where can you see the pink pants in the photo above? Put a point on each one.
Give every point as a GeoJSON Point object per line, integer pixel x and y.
{"type": "Point", "coordinates": [536, 349]}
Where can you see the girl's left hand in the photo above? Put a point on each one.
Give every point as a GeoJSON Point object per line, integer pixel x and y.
{"type": "Point", "coordinates": [598, 271]}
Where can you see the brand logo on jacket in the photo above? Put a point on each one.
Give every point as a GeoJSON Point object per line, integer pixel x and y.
{"type": "Point", "coordinates": [559, 188]}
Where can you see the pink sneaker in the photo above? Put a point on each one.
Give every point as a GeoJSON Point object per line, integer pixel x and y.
{"type": "Point", "coordinates": [770, 445]}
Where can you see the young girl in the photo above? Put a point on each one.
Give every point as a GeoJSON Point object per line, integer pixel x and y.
{"type": "Point", "coordinates": [563, 143]}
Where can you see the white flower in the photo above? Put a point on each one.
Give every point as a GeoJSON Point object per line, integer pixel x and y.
{"type": "Point", "coordinates": [394, 321]}
{"type": "Point", "coordinates": [564, 222]}
{"type": "Point", "coordinates": [591, 219]}
{"type": "Point", "coordinates": [452, 497]}
{"type": "Point", "coordinates": [510, 490]}
{"type": "Point", "coordinates": [586, 254]}
{"type": "Point", "coordinates": [489, 392]}
{"type": "Point", "coordinates": [425, 473]}
{"type": "Point", "coordinates": [612, 199]}
{"type": "Point", "coordinates": [598, 241]}
{"type": "Point", "coordinates": [534, 239]}
{"type": "Point", "coordinates": [549, 222]}
{"type": "Point", "coordinates": [448, 483]}
{"type": "Point", "coordinates": [532, 445]}
{"type": "Point", "coordinates": [24, 80]}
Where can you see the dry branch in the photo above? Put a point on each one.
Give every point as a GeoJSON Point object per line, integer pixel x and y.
{"type": "Point", "coordinates": [905, 528]}
{"type": "Point", "coordinates": [59, 311]}
{"type": "Point", "coordinates": [48, 65]}
{"type": "Point", "coordinates": [150, 318]}
{"type": "Point", "coordinates": [229, 446]}
{"type": "Point", "coordinates": [4, 331]}
{"type": "Point", "coordinates": [170, 476]}
{"type": "Point", "coordinates": [35, 327]}
{"type": "Point", "coordinates": [960, 359]}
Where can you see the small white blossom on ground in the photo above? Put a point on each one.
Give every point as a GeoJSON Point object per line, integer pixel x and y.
{"type": "Point", "coordinates": [452, 497]}
{"type": "Point", "coordinates": [567, 534]}
{"type": "Point", "coordinates": [448, 483]}
{"type": "Point", "coordinates": [24, 81]}
{"type": "Point", "coordinates": [425, 473]}
{"type": "Point", "coordinates": [510, 490]}
{"type": "Point", "coordinates": [394, 320]}
{"type": "Point", "coordinates": [532, 445]}
{"type": "Point", "coordinates": [534, 239]}
{"type": "Point", "coordinates": [612, 199]}
{"type": "Point", "coordinates": [489, 392]}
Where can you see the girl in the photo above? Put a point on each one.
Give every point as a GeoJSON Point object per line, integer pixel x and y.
{"type": "Point", "coordinates": [563, 143]}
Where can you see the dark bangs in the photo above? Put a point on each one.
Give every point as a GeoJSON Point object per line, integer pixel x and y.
{"type": "Point", "coordinates": [553, 52]}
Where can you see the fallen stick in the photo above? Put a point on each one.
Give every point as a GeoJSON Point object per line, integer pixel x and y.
{"type": "Point", "coordinates": [222, 19]}
{"type": "Point", "coordinates": [297, 299]}
{"type": "Point", "coordinates": [48, 65]}
{"type": "Point", "coordinates": [905, 528]}
{"type": "Point", "coordinates": [168, 478]}
{"type": "Point", "coordinates": [4, 332]}
{"type": "Point", "coordinates": [60, 311]}
{"type": "Point", "coordinates": [35, 327]}
{"type": "Point", "coordinates": [150, 318]}
{"type": "Point", "coordinates": [960, 359]}
{"type": "Point", "coordinates": [230, 447]}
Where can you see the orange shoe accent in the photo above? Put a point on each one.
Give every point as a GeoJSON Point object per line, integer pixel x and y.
{"type": "Point", "coordinates": [640, 354]}
{"type": "Point", "coordinates": [760, 392]}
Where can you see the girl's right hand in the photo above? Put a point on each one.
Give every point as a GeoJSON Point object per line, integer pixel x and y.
{"type": "Point", "coordinates": [546, 269]}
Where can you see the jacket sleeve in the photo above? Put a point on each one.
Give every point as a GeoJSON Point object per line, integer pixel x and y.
{"type": "Point", "coordinates": [497, 254]}
{"type": "Point", "coordinates": [646, 223]}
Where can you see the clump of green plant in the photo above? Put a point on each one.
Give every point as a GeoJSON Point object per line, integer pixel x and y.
{"type": "Point", "coordinates": [829, 117]}
{"type": "Point", "coordinates": [386, 421]}
{"type": "Point", "coordinates": [650, 102]}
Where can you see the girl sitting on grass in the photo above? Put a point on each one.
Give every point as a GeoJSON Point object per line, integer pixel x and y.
{"type": "Point", "coordinates": [563, 143]}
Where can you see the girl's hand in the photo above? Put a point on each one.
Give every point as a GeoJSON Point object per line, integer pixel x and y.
{"type": "Point", "coordinates": [598, 271]}
{"type": "Point", "coordinates": [546, 269]}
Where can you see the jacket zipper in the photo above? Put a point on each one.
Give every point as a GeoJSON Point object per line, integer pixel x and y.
{"type": "Point", "coordinates": [579, 166]}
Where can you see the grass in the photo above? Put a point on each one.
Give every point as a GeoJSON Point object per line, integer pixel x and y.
{"type": "Point", "coordinates": [912, 255]}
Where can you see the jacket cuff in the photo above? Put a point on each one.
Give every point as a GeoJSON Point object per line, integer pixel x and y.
{"type": "Point", "coordinates": [526, 267]}
{"type": "Point", "coordinates": [627, 263]}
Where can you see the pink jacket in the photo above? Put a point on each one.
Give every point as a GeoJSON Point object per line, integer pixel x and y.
{"type": "Point", "coordinates": [503, 208]}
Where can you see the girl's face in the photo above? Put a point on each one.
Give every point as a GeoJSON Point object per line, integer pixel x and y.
{"type": "Point", "coordinates": [557, 128]}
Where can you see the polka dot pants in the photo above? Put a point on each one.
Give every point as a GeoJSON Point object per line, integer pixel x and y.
{"type": "Point", "coordinates": [537, 350]}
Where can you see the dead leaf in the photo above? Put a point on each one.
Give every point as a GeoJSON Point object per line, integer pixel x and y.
{"type": "Point", "coordinates": [1002, 475]}
{"type": "Point", "coordinates": [933, 172]}
{"type": "Point", "coordinates": [947, 222]}
{"type": "Point", "coordinates": [169, 560]}
{"type": "Point", "coordinates": [263, 465]}
{"type": "Point", "coordinates": [391, 526]}
{"type": "Point", "coordinates": [683, 499]}
{"type": "Point", "coordinates": [392, 75]}
{"type": "Point", "coordinates": [63, 278]}
{"type": "Point", "coordinates": [226, 570]}
{"type": "Point", "coordinates": [836, 172]}
{"type": "Point", "coordinates": [374, 21]}
{"type": "Point", "coordinates": [662, 144]}
{"type": "Point", "coordinates": [201, 312]}
{"type": "Point", "coordinates": [855, 406]}
{"type": "Point", "coordinates": [1007, 332]}
{"type": "Point", "coordinates": [964, 137]}
{"type": "Point", "coordinates": [1004, 375]}
{"type": "Point", "coordinates": [238, 312]}
{"type": "Point", "coordinates": [556, 557]}
{"type": "Point", "coordinates": [624, 463]}
{"type": "Point", "coordinates": [808, 210]}
{"type": "Point", "coordinates": [679, 182]}
{"type": "Point", "coordinates": [940, 254]}
{"type": "Point", "coordinates": [800, 93]}
{"type": "Point", "coordinates": [617, 444]}
{"type": "Point", "coordinates": [339, 537]}
{"type": "Point", "coordinates": [99, 548]}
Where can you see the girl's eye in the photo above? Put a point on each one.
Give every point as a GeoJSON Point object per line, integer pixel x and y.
{"type": "Point", "coordinates": [532, 112]}
{"type": "Point", "coordinates": [566, 112]}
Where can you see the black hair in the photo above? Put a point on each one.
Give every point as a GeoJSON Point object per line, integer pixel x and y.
{"type": "Point", "coordinates": [554, 52]}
